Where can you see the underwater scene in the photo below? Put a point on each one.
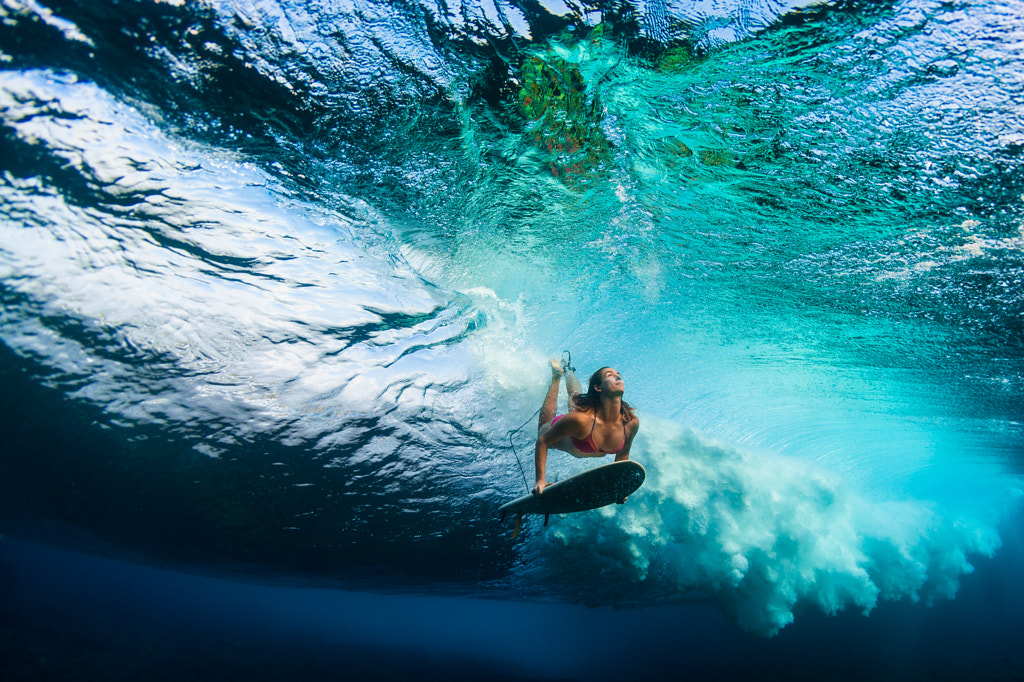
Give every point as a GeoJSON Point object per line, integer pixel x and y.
{"type": "Point", "coordinates": [281, 281]}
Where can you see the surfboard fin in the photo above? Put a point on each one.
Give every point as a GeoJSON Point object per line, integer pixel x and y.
{"type": "Point", "coordinates": [519, 522]}
{"type": "Point", "coordinates": [546, 519]}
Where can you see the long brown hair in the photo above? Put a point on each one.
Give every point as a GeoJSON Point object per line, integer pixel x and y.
{"type": "Point", "coordinates": [591, 400]}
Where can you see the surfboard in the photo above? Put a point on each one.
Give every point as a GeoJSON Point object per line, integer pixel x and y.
{"type": "Point", "coordinates": [593, 488]}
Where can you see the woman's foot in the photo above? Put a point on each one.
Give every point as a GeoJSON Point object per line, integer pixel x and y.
{"type": "Point", "coordinates": [556, 369]}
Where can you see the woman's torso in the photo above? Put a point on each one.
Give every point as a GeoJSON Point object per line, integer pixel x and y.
{"type": "Point", "coordinates": [588, 445]}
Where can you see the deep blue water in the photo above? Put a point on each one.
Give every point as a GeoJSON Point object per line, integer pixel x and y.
{"type": "Point", "coordinates": [280, 279]}
{"type": "Point", "coordinates": [69, 616]}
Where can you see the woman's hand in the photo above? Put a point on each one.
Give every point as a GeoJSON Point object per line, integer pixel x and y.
{"type": "Point", "coordinates": [537, 489]}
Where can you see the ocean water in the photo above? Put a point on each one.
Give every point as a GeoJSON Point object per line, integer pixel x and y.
{"type": "Point", "coordinates": [280, 281]}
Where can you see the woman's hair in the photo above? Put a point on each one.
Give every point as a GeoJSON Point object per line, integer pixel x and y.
{"type": "Point", "coordinates": [591, 400]}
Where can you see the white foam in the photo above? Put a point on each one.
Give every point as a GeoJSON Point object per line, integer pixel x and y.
{"type": "Point", "coordinates": [762, 534]}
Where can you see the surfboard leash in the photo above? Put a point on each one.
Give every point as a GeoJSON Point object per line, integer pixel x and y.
{"type": "Point", "coordinates": [567, 362]}
{"type": "Point", "coordinates": [516, 452]}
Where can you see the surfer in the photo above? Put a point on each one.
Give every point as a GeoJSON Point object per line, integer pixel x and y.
{"type": "Point", "coordinates": [599, 422]}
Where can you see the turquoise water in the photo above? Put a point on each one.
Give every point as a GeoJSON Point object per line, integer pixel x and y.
{"type": "Point", "coordinates": [279, 279]}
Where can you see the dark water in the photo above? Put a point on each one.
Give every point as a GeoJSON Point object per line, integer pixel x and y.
{"type": "Point", "coordinates": [279, 279]}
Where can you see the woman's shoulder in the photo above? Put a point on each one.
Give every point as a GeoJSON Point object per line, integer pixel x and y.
{"type": "Point", "coordinates": [574, 422]}
{"type": "Point", "coordinates": [579, 416]}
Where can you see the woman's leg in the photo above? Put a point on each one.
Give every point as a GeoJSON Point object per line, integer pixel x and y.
{"type": "Point", "coordinates": [572, 386]}
{"type": "Point", "coordinates": [547, 410]}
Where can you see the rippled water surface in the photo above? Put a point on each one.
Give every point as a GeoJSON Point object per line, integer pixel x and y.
{"type": "Point", "coordinates": [279, 279]}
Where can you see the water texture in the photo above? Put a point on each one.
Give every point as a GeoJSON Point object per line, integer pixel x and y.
{"type": "Point", "coordinates": [280, 278]}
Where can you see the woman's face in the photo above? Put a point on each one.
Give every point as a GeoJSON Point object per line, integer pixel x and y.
{"type": "Point", "coordinates": [611, 382]}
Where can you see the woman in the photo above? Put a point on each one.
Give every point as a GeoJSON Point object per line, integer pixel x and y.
{"type": "Point", "coordinates": [599, 422]}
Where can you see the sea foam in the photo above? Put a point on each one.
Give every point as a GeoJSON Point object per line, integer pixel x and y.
{"type": "Point", "coordinates": [761, 535]}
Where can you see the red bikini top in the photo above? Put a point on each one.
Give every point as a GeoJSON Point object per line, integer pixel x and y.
{"type": "Point", "coordinates": [588, 445]}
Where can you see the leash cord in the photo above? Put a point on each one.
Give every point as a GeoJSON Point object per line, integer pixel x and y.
{"type": "Point", "coordinates": [516, 453]}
